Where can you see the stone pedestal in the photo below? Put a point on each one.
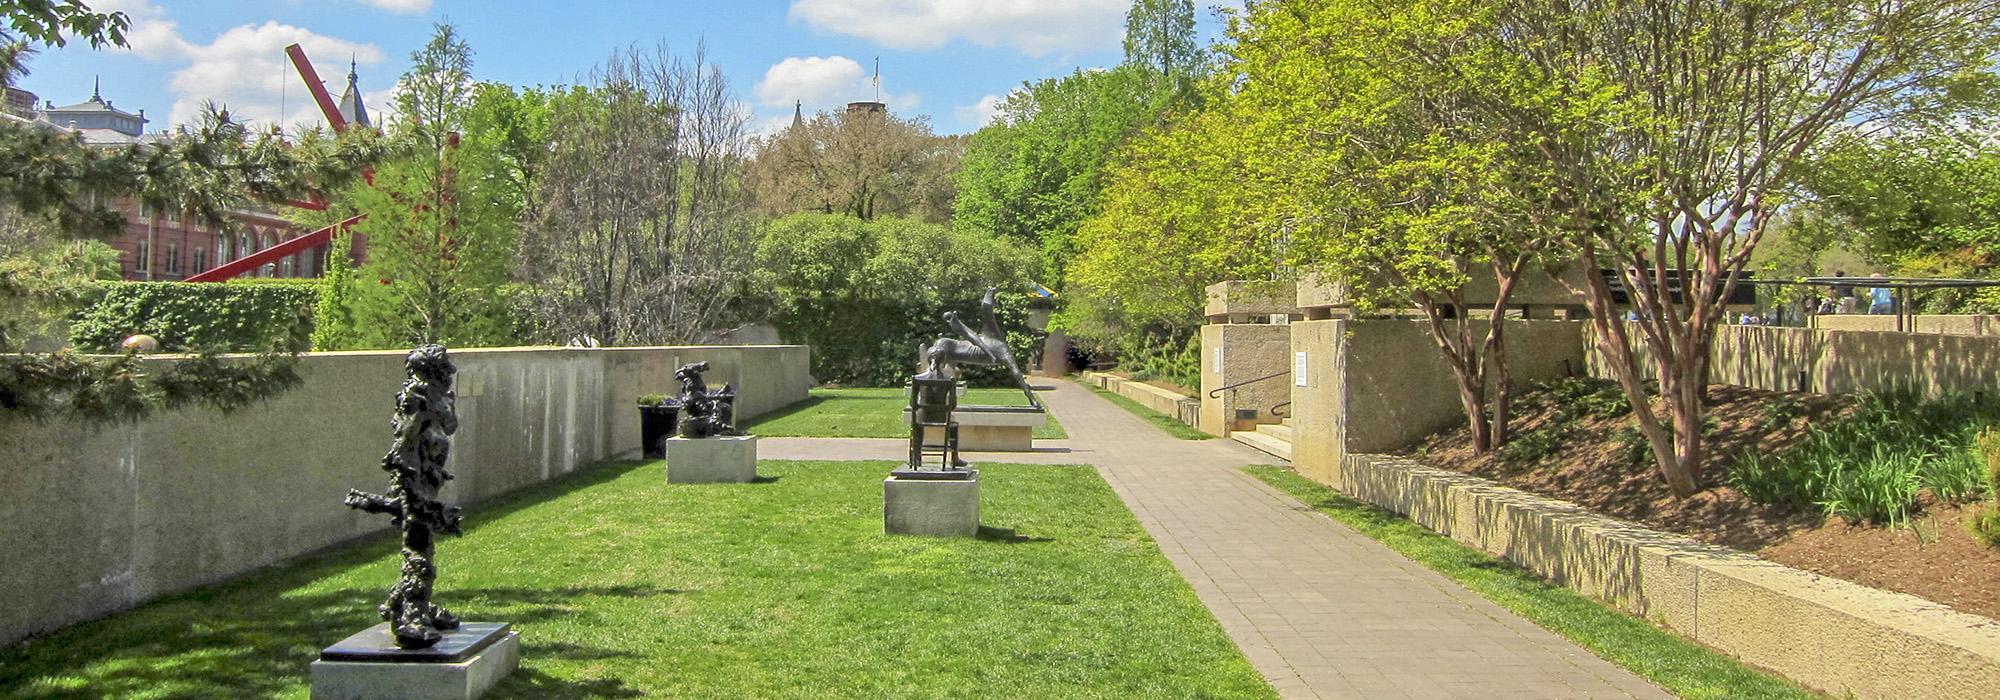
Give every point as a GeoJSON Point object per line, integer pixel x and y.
{"type": "Point", "coordinates": [931, 507]}
{"type": "Point", "coordinates": [992, 428]}
{"type": "Point", "coordinates": [369, 666]}
{"type": "Point", "coordinates": [714, 460]}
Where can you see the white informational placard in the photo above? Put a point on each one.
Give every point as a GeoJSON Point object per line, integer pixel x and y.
{"type": "Point", "coordinates": [1218, 359]}
{"type": "Point", "coordinates": [1298, 369]}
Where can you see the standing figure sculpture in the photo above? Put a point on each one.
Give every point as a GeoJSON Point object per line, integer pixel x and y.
{"type": "Point", "coordinates": [988, 346]}
{"type": "Point", "coordinates": [705, 413]}
{"type": "Point", "coordinates": [424, 422]}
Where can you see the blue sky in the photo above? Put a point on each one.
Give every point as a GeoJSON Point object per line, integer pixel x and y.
{"type": "Point", "coordinates": [948, 59]}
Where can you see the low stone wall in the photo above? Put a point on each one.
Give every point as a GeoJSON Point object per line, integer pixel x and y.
{"type": "Point", "coordinates": [1831, 635]}
{"type": "Point", "coordinates": [1181, 408]}
{"type": "Point", "coordinates": [1839, 362]}
{"type": "Point", "coordinates": [98, 519]}
{"type": "Point", "coordinates": [1940, 324]}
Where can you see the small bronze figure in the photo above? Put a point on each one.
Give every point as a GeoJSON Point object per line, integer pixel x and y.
{"type": "Point", "coordinates": [424, 422]}
{"type": "Point", "coordinates": [705, 413]}
{"type": "Point", "coordinates": [988, 346]}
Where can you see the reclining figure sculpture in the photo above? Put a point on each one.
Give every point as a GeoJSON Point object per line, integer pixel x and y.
{"type": "Point", "coordinates": [988, 346]}
{"type": "Point", "coordinates": [704, 413]}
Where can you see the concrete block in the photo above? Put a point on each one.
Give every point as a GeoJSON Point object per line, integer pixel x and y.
{"type": "Point", "coordinates": [935, 508]}
{"type": "Point", "coordinates": [388, 680]}
{"type": "Point", "coordinates": [715, 460]}
{"type": "Point", "coordinates": [990, 431]}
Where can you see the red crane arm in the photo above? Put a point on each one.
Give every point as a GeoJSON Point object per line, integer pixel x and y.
{"type": "Point", "coordinates": [318, 89]}
{"type": "Point", "coordinates": [273, 254]}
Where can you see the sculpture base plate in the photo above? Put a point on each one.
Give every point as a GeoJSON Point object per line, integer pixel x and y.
{"type": "Point", "coordinates": [934, 474]}
{"type": "Point", "coordinates": [464, 665]}
{"type": "Point", "coordinates": [931, 507]}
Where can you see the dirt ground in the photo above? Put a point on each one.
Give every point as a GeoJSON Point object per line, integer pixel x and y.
{"type": "Point", "coordinates": [1933, 558]}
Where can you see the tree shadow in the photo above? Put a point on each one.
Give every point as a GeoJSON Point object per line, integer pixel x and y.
{"type": "Point", "coordinates": [1007, 535]}
{"type": "Point", "coordinates": [805, 406]}
{"type": "Point", "coordinates": [763, 479]}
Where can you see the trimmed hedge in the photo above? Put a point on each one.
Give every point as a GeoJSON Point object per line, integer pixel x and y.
{"type": "Point", "coordinates": [237, 316]}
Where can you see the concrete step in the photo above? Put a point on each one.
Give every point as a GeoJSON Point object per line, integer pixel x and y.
{"type": "Point", "coordinates": [1279, 431]}
{"type": "Point", "coordinates": [1287, 422]}
{"type": "Point", "coordinates": [1262, 441]}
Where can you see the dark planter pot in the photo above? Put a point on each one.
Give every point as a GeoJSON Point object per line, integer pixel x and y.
{"type": "Point", "coordinates": [656, 424]}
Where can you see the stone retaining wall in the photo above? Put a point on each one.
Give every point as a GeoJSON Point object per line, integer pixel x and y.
{"type": "Point", "coordinates": [1182, 408]}
{"type": "Point", "coordinates": [99, 519]}
{"type": "Point", "coordinates": [1838, 637]}
{"type": "Point", "coordinates": [1837, 362]}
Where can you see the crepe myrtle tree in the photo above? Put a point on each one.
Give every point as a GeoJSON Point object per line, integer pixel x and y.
{"type": "Point", "coordinates": [1672, 132]}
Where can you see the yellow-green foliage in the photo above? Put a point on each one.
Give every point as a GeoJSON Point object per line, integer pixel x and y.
{"type": "Point", "coordinates": [1985, 521]}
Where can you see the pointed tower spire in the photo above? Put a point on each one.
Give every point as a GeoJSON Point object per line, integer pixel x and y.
{"type": "Point", "coordinates": [96, 93]}
{"type": "Point", "coordinates": [798, 113]}
{"type": "Point", "coordinates": [351, 109]}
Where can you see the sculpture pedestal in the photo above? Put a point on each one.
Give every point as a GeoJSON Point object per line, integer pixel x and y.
{"type": "Point", "coordinates": [728, 459]}
{"type": "Point", "coordinates": [930, 506]}
{"type": "Point", "coordinates": [992, 428]}
{"type": "Point", "coordinates": [468, 662]}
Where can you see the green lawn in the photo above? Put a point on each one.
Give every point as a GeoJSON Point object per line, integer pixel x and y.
{"type": "Point", "coordinates": [873, 412]}
{"type": "Point", "coordinates": [1685, 668]}
{"type": "Point", "coordinates": [624, 586]}
{"type": "Point", "coordinates": [1172, 425]}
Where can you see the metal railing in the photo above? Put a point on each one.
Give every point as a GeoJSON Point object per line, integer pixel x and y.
{"type": "Point", "coordinates": [1217, 393]}
{"type": "Point", "coordinates": [1274, 409]}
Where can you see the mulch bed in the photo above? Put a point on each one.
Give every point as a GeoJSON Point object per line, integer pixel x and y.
{"type": "Point", "coordinates": [1934, 558]}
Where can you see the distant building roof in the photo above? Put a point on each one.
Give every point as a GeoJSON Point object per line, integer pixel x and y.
{"type": "Point", "coordinates": [96, 114]}
{"type": "Point", "coordinates": [351, 109]}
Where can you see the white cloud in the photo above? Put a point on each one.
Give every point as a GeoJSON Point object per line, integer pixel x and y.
{"type": "Point", "coordinates": [408, 7]}
{"type": "Point", "coordinates": [823, 83]}
{"type": "Point", "coordinates": [245, 68]}
{"type": "Point", "coordinates": [977, 114]}
{"type": "Point", "coordinates": [1033, 27]}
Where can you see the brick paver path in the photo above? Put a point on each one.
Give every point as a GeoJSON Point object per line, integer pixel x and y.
{"type": "Point", "coordinates": [1321, 610]}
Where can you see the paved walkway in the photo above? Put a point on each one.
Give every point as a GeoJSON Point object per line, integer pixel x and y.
{"type": "Point", "coordinates": [1321, 610]}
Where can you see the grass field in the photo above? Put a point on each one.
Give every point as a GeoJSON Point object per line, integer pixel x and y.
{"type": "Point", "coordinates": [1173, 426]}
{"type": "Point", "coordinates": [873, 412]}
{"type": "Point", "coordinates": [1687, 669]}
{"type": "Point", "coordinates": [624, 586]}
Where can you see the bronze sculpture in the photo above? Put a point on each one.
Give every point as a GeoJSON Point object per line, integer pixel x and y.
{"type": "Point", "coordinates": [424, 422]}
{"type": "Point", "coordinates": [704, 413]}
{"type": "Point", "coordinates": [988, 346]}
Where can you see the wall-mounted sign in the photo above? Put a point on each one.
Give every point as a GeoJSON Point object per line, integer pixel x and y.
{"type": "Point", "coordinates": [1298, 369]}
{"type": "Point", "coordinates": [1218, 359]}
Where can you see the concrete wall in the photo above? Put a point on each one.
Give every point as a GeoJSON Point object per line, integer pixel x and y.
{"type": "Point", "coordinates": [1379, 385]}
{"type": "Point", "coordinates": [1234, 353]}
{"type": "Point", "coordinates": [1182, 408]}
{"type": "Point", "coordinates": [1941, 324]}
{"type": "Point", "coordinates": [1840, 638]}
{"type": "Point", "coordinates": [1244, 301]}
{"type": "Point", "coordinates": [1839, 362]}
{"type": "Point", "coordinates": [101, 519]}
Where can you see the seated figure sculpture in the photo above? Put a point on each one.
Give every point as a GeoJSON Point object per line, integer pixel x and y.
{"type": "Point", "coordinates": [987, 346]}
{"type": "Point", "coordinates": [704, 413]}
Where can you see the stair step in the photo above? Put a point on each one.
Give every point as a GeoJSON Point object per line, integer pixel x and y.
{"type": "Point", "coordinates": [1287, 422]}
{"type": "Point", "coordinates": [1279, 431]}
{"type": "Point", "coordinates": [1266, 443]}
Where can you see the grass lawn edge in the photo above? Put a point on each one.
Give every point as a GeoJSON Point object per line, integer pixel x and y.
{"type": "Point", "coordinates": [1683, 667]}
{"type": "Point", "coordinates": [1163, 421]}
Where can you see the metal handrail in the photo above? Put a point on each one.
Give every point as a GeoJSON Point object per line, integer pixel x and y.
{"type": "Point", "coordinates": [1274, 409]}
{"type": "Point", "coordinates": [1216, 394]}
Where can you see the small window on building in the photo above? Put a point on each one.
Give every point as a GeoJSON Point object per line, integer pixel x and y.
{"type": "Point", "coordinates": [200, 259]}
{"type": "Point", "coordinates": [173, 258]}
{"type": "Point", "coordinates": [221, 248]}
{"type": "Point", "coordinates": [287, 268]}
{"type": "Point", "coordinates": [142, 257]}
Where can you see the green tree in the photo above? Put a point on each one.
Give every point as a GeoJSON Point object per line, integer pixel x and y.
{"type": "Point", "coordinates": [1672, 133]}
{"type": "Point", "coordinates": [440, 220]}
{"type": "Point", "coordinates": [1160, 41]}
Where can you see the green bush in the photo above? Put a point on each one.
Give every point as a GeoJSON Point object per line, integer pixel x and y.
{"type": "Point", "coordinates": [1871, 465]}
{"type": "Point", "coordinates": [1177, 363]}
{"type": "Point", "coordinates": [238, 316]}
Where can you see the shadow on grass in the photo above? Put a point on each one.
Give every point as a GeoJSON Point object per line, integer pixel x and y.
{"type": "Point", "coordinates": [257, 642]}
{"type": "Point", "coordinates": [1007, 535]}
{"type": "Point", "coordinates": [801, 407]}
{"type": "Point", "coordinates": [761, 479]}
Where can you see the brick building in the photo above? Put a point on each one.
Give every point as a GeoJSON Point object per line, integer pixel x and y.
{"type": "Point", "coordinates": [165, 245]}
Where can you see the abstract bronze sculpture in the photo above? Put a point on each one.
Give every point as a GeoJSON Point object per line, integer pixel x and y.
{"type": "Point", "coordinates": [988, 346]}
{"type": "Point", "coordinates": [704, 413]}
{"type": "Point", "coordinates": [424, 422]}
